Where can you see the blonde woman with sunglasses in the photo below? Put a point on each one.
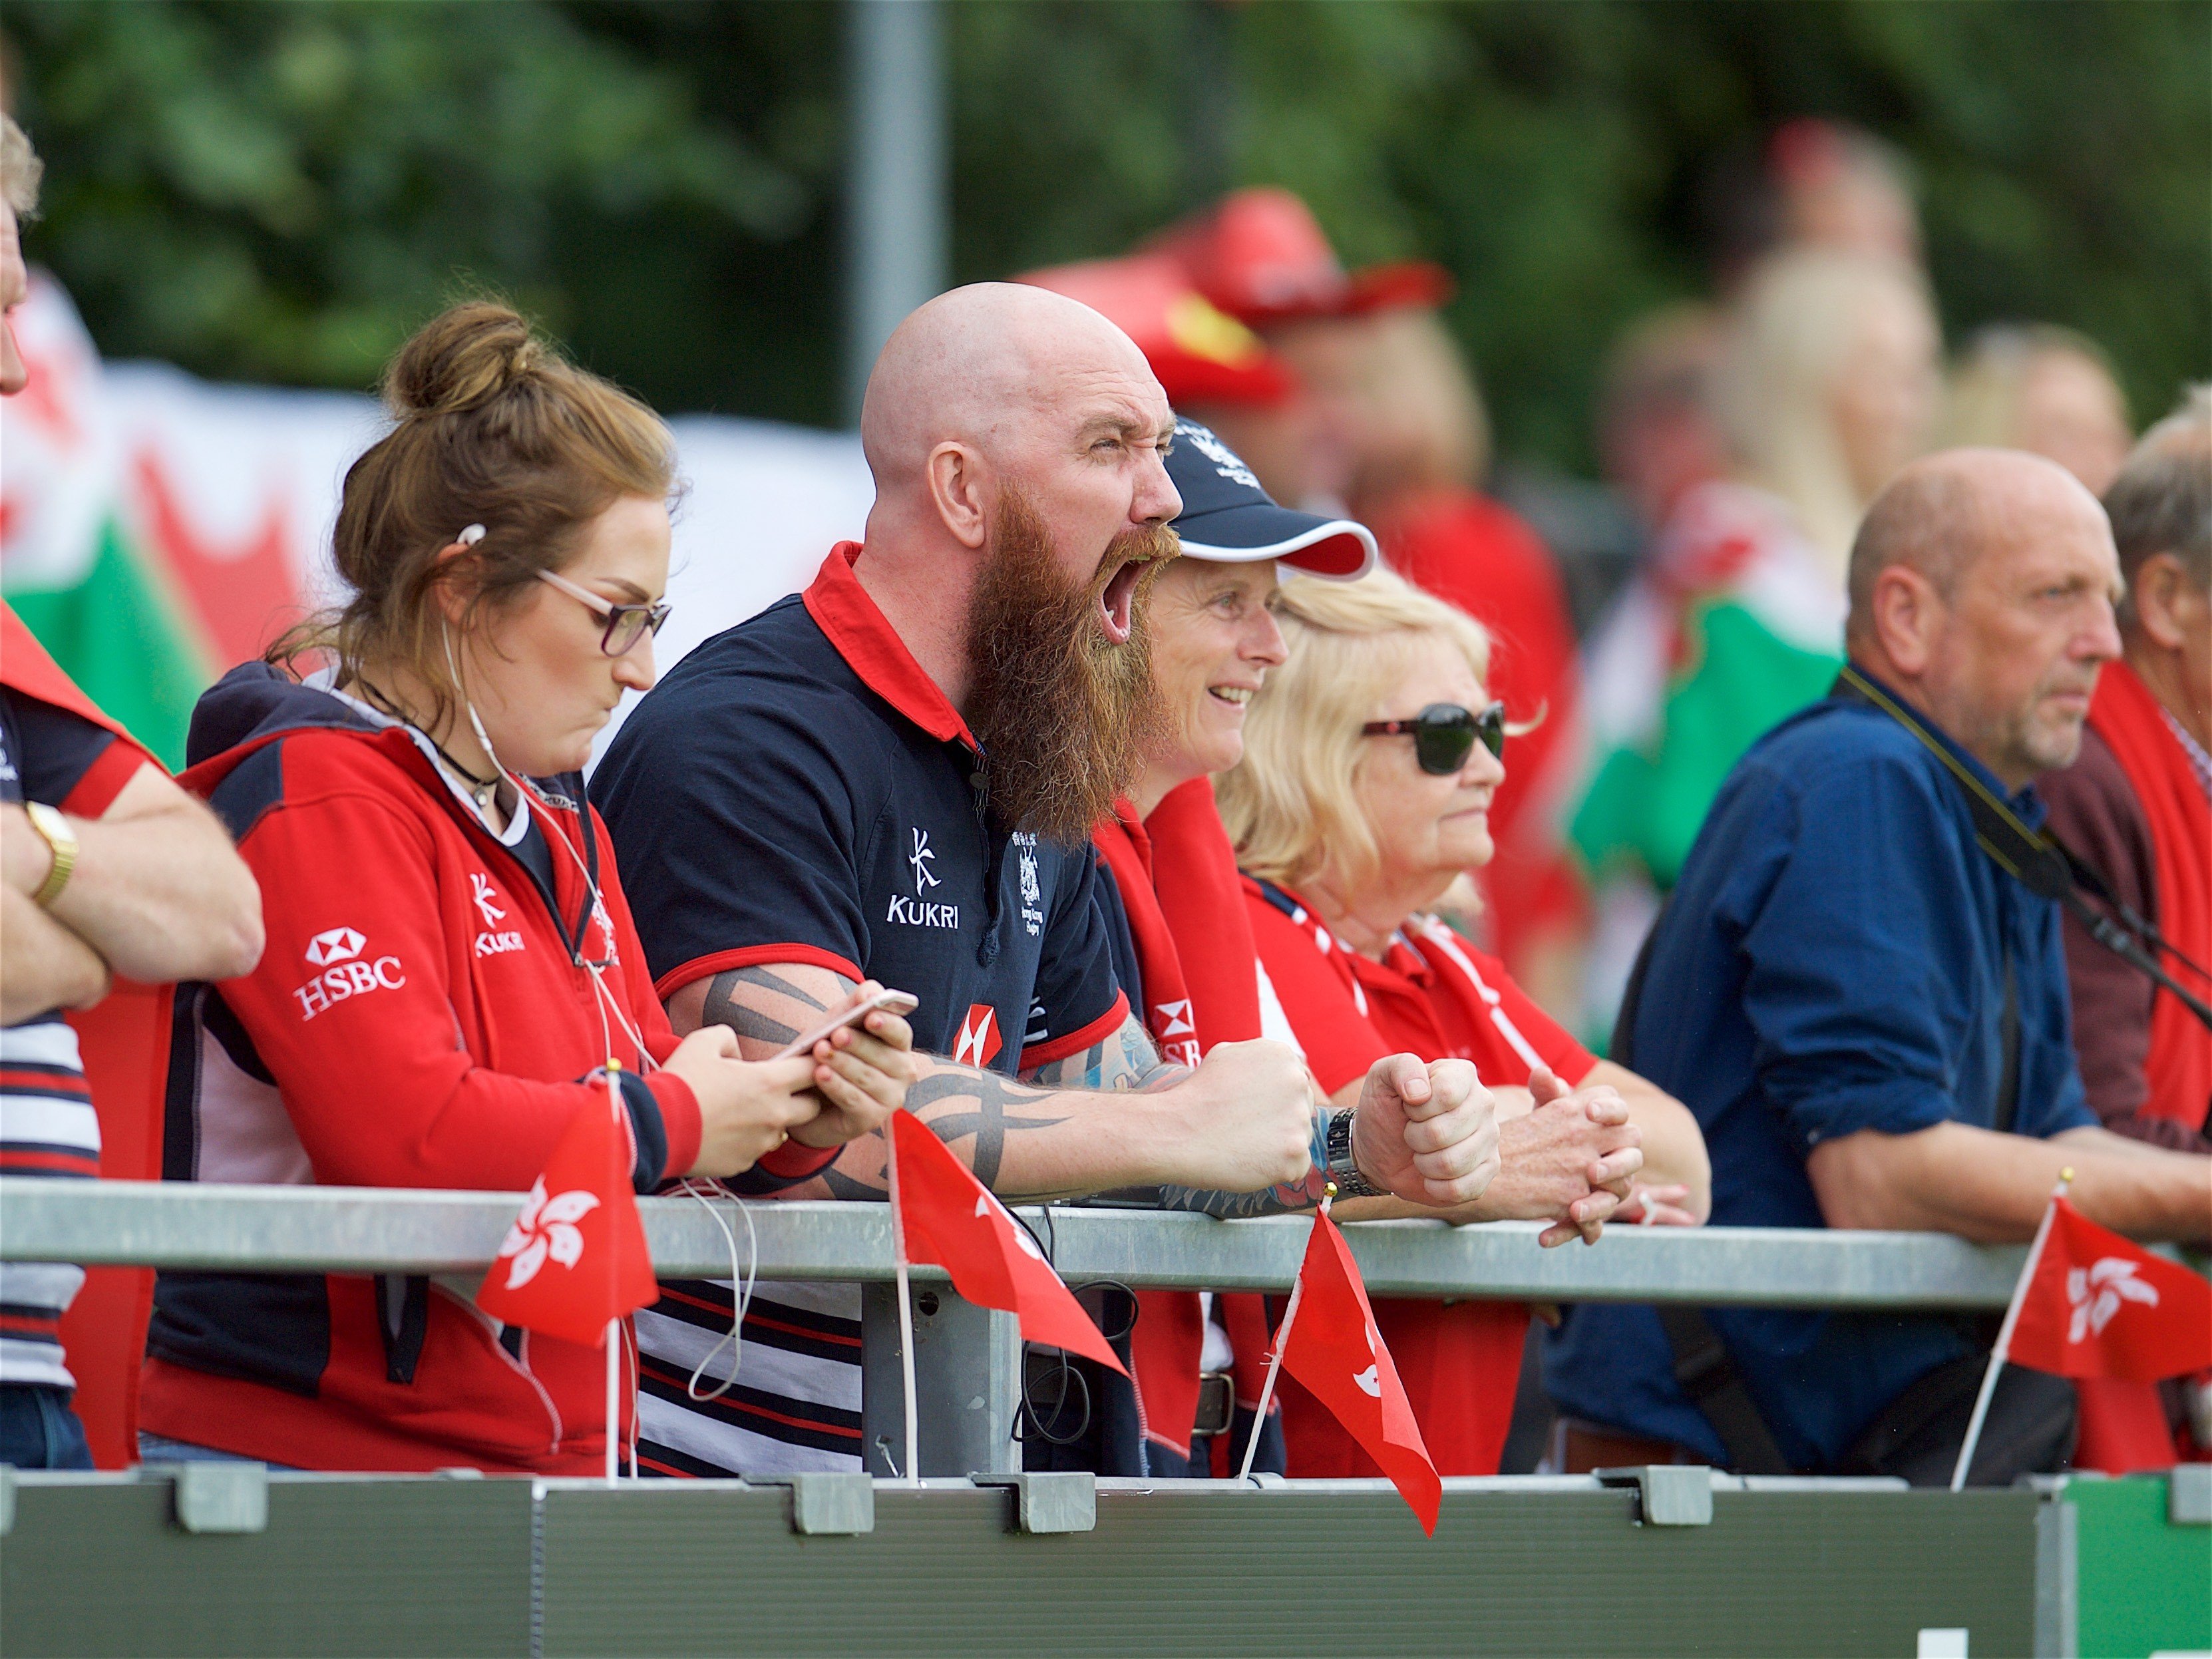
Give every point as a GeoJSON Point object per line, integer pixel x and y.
{"type": "Point", "coordinates": [1371, 763]}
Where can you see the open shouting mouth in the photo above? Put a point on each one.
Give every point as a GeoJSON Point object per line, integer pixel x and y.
{"type": "Point", "coordinates": [1117, 600]}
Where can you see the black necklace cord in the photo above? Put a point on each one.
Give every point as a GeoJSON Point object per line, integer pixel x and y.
{"type": "Point", "coordinates": [481, 787]}
{"type": "Point", "coordinates": [2042, 863]}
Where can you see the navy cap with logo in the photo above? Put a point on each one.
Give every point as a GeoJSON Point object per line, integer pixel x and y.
{"type": "Point", "coordinates": [1226, 516]}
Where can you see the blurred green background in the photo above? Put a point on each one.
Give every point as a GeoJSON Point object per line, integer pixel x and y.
{"type": "Point", "coordinates": [280, 193]}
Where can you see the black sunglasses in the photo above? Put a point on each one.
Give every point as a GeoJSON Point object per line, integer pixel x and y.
{"type": "Point", "coordinates": [1443, 734]}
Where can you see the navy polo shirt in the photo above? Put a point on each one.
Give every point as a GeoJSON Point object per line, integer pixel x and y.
{"type": "Point", "coordinates": [798, 789]}
{"type": "Point", "coordinates": [1833, 960]}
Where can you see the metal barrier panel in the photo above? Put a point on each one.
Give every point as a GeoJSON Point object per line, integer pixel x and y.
{"type": "Point", "coordinates": [101, 1564]}
{"type": "Point", "coordinates": [1337, 1568]}
{"type": "Point", "coordinates": [104, 1564]}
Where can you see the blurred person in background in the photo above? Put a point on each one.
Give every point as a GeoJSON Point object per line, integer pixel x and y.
{"type": "Point", "coordinates": [1402, 432]}
{"type": "Point", "coordinates": [1369, 765]}
{"type": "Point", "coordinates": [2135, 804]}
{"type": "Point", "coordinates": [1815, 184]}
{"type": "Point", "coordinates": [110, 869]}
{"type": "Point", "coordinates": [453, 974]}
{"type": "Point", "coordinates": [2137, 807]}
{"type": "Point", "coordinates": [1869, 1015]}
{"type": "Point", "coordinates": [1825, 384]}
{"type": "Point", "coordinates": [1211, 366]}
{"type": "Point", "coordinates": [1657, 437]}
{"type": "Point", "coordinates": [2046, 390]}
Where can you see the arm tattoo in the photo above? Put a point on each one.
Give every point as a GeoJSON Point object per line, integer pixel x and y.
{"type": "Point", "coordinates": [989, 1122]}
{"type": "Point", "coordinates": [1127, 1059]}
{"type": "Point", "coordinates": [750, 1014]}
{"type": "Point", "coordinates": [1286, 1199]}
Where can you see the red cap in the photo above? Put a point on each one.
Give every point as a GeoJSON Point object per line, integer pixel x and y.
{"type": "Point", "coordinates": [1201, 355]}
{"type": "Point", "coordinates": [1260, 255]}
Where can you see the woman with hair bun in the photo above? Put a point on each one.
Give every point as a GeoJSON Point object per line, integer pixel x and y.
{"type": "Point", "coordinates": [451, 971]}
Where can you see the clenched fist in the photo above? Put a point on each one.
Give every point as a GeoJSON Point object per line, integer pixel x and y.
{"type": "Point", "coordinates": [1427, 1134]}
{"type": "Point", "coordinates": [1245, 1120]}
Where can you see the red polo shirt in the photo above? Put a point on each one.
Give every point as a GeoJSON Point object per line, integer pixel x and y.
{"type": "Point", "coordinates": [1436, 996]}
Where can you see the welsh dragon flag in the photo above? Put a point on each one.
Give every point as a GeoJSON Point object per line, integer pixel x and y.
{"type": "Point", "coordinates": [1734, 625]}
{"type": "Point", "coordinates": [155, 529]}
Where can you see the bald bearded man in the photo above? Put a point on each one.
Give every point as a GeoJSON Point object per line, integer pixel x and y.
{"type": "Point", "coordinates": [1869, 1017]}
{"type": "Point", "coordinates": [893, 776]}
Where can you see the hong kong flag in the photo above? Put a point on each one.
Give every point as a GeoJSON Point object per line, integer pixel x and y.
{"type": "Point", "coordinates": [2097, 1305]}
{"type": "Point", "coordinates": [947, 1217]}
{"type": "Point", "coordinates": [576, 1257]}
{"type": "Point", "coordinates": [1331, 1346]}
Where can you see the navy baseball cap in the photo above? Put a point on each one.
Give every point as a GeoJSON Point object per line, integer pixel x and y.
{"type": "Point", "coordinates": [1226, 516]}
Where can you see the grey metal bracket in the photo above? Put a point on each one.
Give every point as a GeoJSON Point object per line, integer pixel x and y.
{"type": "Point", "coordinates": [7, 1498]}
{"type": "Point", "coordinates": [827, 1505]}
{"type": "Point", "coordinates": [221, 1498]}
{"type": "Point", "coordinates": [1668, 1494]}
{"type": "Point", "coordinates": [967, 1366]}
{"type": "Point", "coordinates": [1060, 1501]}
{"type": "Point", "coordinates": [2188, 1495]}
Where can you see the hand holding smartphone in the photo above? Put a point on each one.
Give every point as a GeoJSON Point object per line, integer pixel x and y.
{"type": "Point", "coordinates": [901, 1003]}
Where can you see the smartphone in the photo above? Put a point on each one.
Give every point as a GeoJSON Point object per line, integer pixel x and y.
{"type": "Point", "coordinates": [901, 1003]}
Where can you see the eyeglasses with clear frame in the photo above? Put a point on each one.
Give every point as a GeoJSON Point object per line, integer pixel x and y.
{"type": "Point", "coordinates": [626, 623]}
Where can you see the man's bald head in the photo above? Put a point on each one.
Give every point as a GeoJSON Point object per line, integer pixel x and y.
{"type": "Point", "coordinates": [1983, 583]}
{"type": "Point", "coordinates": [983, 364]}
{"type": "Point", "coordinates": [1939, 515]}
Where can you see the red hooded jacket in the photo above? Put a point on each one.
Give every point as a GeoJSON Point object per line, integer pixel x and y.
{"type": "Point", "coordinates": [421, 1017]}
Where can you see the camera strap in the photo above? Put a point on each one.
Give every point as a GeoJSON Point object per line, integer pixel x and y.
{"type": "Point", "coordinates": [2039, 861]}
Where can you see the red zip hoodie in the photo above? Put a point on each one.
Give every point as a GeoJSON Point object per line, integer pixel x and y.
{"type": "Point", "coordinates": [421, 1017]}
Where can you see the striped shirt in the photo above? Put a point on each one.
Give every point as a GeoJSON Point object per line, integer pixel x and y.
{"type": "Point", "coordinates": [47, 1128]}
{"type": "Point", "coordinates": [793, 1402]}
{"type": "Point", "coordinates": [47, 1125]}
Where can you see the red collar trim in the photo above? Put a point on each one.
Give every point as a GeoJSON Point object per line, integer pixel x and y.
{"type": "Point", "coordinates": [871, 647]}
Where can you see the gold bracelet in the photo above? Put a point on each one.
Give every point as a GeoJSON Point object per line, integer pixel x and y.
{"type": "Point", "coordinates": [61, 841]}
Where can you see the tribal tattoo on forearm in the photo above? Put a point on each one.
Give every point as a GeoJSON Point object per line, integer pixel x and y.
{"type": "Point", "coordinates": [1285, 1199]}
{"type": "Point", "coordinates": [761, 1004]}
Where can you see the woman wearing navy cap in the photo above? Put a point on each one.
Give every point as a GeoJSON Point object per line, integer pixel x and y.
{"type": "Point", "coordinates": [1191, 962]}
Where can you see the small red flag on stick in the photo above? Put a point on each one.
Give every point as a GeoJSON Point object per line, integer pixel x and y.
{"type": "Point", "coordinates": [2099, 1305]}
{"type": "Point", "coordinates": [1328, 1341]}
{"type": "Point", "coordinates": [576, 1256]}
{"type": "Point", "coordinates": [2089, 1303]}
{"type": "Point", "coordinates": [945, 1216]}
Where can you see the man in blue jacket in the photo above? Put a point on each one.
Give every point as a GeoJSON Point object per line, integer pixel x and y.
{"type": "Point", "coordinates": [1870, 1017]}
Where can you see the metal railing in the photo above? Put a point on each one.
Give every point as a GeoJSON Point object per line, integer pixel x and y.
{"type": "Point", "coordinates": [969, 1358]}
{"type": "Point", "coordinates": [386, 1231]}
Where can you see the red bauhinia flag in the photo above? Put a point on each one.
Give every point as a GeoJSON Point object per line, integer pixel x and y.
{"type": "Point", "coordinates": [951, 1218]}
{"type": "Point", "coordinates": [576, 1257]}
{"type": "Point", "coordinates": [1335, 1350]}
{"type": "Point", "coordinates": [2097, 1305]}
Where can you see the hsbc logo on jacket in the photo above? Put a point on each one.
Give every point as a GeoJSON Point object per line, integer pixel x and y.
{"type": "Point", "coordinates": [347, 971]}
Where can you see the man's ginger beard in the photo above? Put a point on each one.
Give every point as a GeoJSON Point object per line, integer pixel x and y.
{"type": "Point", "coordinates": [1064, 714]}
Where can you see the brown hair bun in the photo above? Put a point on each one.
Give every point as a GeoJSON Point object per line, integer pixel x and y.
{"type": "Point", "coordinates": [460, 360]}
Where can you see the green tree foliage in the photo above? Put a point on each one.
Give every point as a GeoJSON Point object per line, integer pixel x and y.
{"type": "Point", "coordinates": [280, 191]}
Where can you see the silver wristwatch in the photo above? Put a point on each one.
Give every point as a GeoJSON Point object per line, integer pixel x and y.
{"type": "Point", "coordinates": [1341, 1169]}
